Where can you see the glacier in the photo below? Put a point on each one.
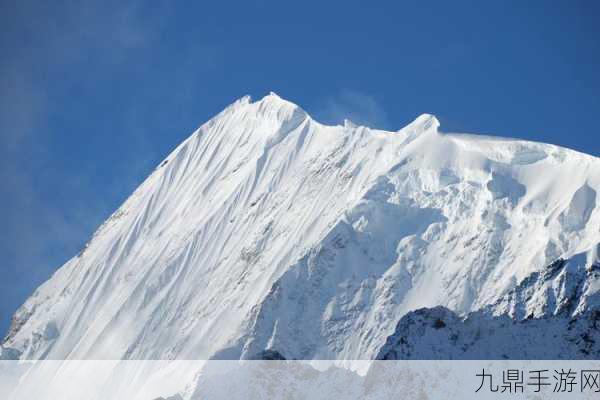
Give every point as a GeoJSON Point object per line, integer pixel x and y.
{"type": "Point", "coordinates": [267, 231]}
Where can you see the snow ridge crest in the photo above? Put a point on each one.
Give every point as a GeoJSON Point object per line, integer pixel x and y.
{"type": "Point", "coordinates": [268, 230]}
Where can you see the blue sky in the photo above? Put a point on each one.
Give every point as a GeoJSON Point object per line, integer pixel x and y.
{"type": "Point", "coordinates": [94, 94]}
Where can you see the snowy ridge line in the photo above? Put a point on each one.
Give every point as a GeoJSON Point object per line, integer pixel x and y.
{"type": "Point", "coordinates": [266, 230]}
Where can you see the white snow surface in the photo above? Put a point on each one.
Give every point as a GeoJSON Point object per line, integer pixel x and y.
{"type": "Point", "coordinates": [552, 314]}
{"type": "Point", "coordinates": [266, 229]}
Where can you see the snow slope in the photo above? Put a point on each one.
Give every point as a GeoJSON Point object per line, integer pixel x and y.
{"type": "Point", "coordinates": [553, 314]}
{"type": "Point", "coordinates": [268, 230]}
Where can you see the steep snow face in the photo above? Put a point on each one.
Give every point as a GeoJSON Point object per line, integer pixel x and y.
{"type": "Point", "coordinates": [268, 230]}
{"type": "Point", "coordinates": [552, 314]}
{"type": "Point", "coordinates": [564, 288]}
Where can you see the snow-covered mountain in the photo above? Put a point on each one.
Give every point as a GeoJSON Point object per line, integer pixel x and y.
{"type": "Point", "coordinates": [552, 314]}
{"type": "Point", "coordinates": [267, 230]}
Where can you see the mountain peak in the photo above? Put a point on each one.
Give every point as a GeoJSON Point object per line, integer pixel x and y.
{"type": "Point", "coordinates": [265, 231]}
{"type": "Point", "coordinates": [273, 106]}
{"type": "Point", "coordinates": [425, 122]}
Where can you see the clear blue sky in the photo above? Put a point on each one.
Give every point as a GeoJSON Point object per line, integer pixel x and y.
{"type": "Point", "coordinates": [94, 94]}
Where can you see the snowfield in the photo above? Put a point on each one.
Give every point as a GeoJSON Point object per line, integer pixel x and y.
{"type": "Point", "coordinates": [267, 230]}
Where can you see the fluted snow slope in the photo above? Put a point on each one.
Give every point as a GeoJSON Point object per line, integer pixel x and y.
{"type": "Point", "coordinates": [268, 230]}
